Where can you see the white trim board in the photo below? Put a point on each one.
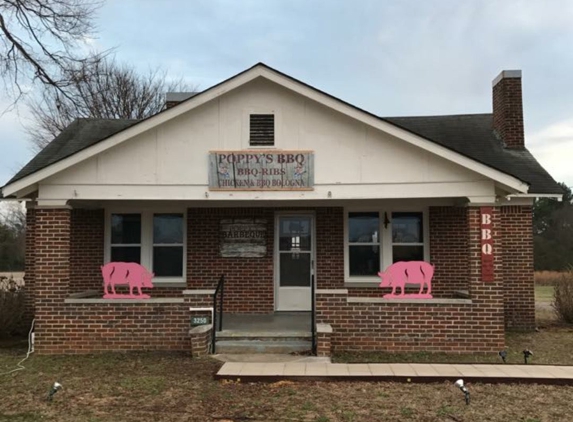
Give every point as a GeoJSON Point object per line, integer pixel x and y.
{"type": "Point", "coordinates": [261, 70]}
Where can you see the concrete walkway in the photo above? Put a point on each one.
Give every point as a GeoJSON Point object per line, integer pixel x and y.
{"type": "Point", "coordinates": [396, 372]}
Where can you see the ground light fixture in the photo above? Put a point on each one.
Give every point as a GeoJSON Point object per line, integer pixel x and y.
{"type": "Point", "coordinates": [503, 355]}
{"type": "Point", "coordinates": [527, 354]}
{"type": "Point", "coordinates": [460, 384]}
{"type": "Point", "coordinates": [55, 388]}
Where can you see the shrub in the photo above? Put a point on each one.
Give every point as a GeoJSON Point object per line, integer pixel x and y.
{"type": "Point", "coordinates": [563, 297]}
{"type": "Point", "coordinates": [11, 305]}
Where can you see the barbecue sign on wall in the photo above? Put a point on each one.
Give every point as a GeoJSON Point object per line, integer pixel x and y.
{"type": "Point", "coordinates": [243, 238]}
{"type": "Point", "coordinates": [486, 226]}
{"type": "Point", "coordinates": [261, 170]}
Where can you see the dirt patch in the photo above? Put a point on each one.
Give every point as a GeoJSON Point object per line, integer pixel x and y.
{"type": "Point", "coordinates": [173, 387]}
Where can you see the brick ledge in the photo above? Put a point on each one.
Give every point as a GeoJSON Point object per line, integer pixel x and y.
{"type": "Point", "coordinates": [412, 301]}
{"type": "Point", "coordinates": [124, 301]}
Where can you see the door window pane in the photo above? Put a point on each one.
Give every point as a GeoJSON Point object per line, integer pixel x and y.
{"type": "Point", "coordinates": [126, 254]}
{"type": "Point", "coordinates": [295, 234]}
{"type": "Point", "coordinates": [168, 261]}
{"type": "Point", "coordinates": [295, 269]}
{"type": "Point", "coordinates": [364, 260]}
{"type": "Point", "coordinates": [126, 229]}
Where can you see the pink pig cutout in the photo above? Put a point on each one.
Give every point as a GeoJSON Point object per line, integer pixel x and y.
{"type": "Point", "coordinates": [408, 272]}
{"type": "Point", "coordinates": [125, 273]}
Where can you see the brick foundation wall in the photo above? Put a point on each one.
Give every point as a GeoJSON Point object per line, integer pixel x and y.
{"type": "Point", "coordinates": [88, 328]}
{"type": "Point", "coordinates": [87, 248]}
{"type": "Point", "coordinates": [519, 287]}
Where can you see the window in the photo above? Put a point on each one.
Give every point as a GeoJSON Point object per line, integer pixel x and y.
{"type": "Point", "coordinates": [168, 245]}
{"type": "Point", "coordinates": [262, 130]}
{"type": "Point", "coordinates": [154, 240]}
{"type": "Point", "coordinates": [126, 238]}
{"type": "Point", "coordinates": [376, 239]}
{"type": "Point", "coordinates": [407, 236]}
{"type": "Point", "coordinates": [364, 243]}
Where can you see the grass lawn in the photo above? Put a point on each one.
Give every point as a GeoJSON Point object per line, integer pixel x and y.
{"type": "Point", "coordinates": [543, 294]}
{"type": "Point", "coordinates": [173, 387]}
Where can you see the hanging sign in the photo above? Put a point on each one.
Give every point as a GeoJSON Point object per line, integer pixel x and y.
{"type": "Point", "coordinates": [261, 170]}
{"type": "Point", "coordinates": [486, 230]}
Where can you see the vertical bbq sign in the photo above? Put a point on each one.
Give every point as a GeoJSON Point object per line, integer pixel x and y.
{"type": "Point", "coordinates": [261, 170]}
{"type": "Point", "coordinates": [486, 230]}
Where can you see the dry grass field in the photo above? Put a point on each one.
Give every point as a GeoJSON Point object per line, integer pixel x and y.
{"type": "Point", "coordinates": [174, 387]}
{"type": "Point", "coordinates": [546, 278]}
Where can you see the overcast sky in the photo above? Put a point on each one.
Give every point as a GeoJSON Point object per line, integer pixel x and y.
{"type": "Point", "coordinates": [390, 57]}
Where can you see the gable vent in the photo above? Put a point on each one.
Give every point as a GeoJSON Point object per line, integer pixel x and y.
{"type": "Point", "coordinates": [262, 130]}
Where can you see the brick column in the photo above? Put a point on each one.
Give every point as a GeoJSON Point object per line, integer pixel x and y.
{"type": "Point", "coordinates": [486, 296]}
{"type": "Point", "coordinates": [52, 272]}
{"type": "Point", "coordinates": [448, 250]}
{"type": "Point", "coordinates": [29, 268]}
{"type": "Point", "coordinates": [519, 286]}
{"type": "Point", "coordinates": [87, 249]}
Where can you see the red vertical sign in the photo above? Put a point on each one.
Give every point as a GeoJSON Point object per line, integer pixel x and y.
{"type": "Point", "coordinates": [486, 233]}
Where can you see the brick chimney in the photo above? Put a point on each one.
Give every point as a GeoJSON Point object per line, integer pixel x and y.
{"type": "Point", "coordinates": [174, 98]}
{"type": "Point", "coordinates": [508, 109]}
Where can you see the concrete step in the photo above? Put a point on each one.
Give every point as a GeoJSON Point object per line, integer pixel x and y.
{"type": "Point", "coordinates": [262, 335]}
{"type": "Point", "coordinates": [272, 345]}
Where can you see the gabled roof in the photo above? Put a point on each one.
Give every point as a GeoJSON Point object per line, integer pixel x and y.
{"type": "Point", "coordinates": [472, 136]}
{"type": "Point", "coordinates": [461, 137]}
{"type": "Point", "coordinates": [80, 134]}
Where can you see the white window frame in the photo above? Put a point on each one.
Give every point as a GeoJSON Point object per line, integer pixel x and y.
{"type": "Point", "coordinates": [246, 138]}
{"type": "Point", "coordinates": [147, 240]}
{"type": "Point", "coordinates": [385, 235]}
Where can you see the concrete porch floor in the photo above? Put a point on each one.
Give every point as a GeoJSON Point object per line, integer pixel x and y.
{"type": "Point", "coordinates": [278, 324]}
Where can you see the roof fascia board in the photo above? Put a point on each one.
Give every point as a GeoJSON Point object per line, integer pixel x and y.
{"type": "Point", "coordinates": [396, 131]}
{"type": "Point", "coordinates": [289, 83]}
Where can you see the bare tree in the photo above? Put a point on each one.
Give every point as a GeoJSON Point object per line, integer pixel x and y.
{"type": "Point", "coordinates": [12, 236]}
{"type": "Point", "coordinates": [40, 40]}
{"type": "Point", "coordinates": [103, 89]}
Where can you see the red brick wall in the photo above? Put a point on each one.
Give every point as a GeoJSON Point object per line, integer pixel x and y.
{"type": "Point", "coordinates": [508, 112]}
{"type": "Point", "coordinates": [519, 287]}
{"type": "Point", "coordinates": [52, 263]}
{"type": "Point", "coordinates": [448, 250]}
{"type": "Point", "coordinates": [29, 268]}
{"type": "Point", "coordinates": [249, 282]}
{"type": "Point", "coordinates": [87, 248]}
{"type": "Point", "coordinates": [454, 327]}
{"type": "Point", "coordinates": [330, 248]}
{"type": "Point", "coordinates": [87, 328]}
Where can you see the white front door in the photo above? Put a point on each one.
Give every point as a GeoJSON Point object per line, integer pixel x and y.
{"type": "Point", "coordinates": [294, 263]}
